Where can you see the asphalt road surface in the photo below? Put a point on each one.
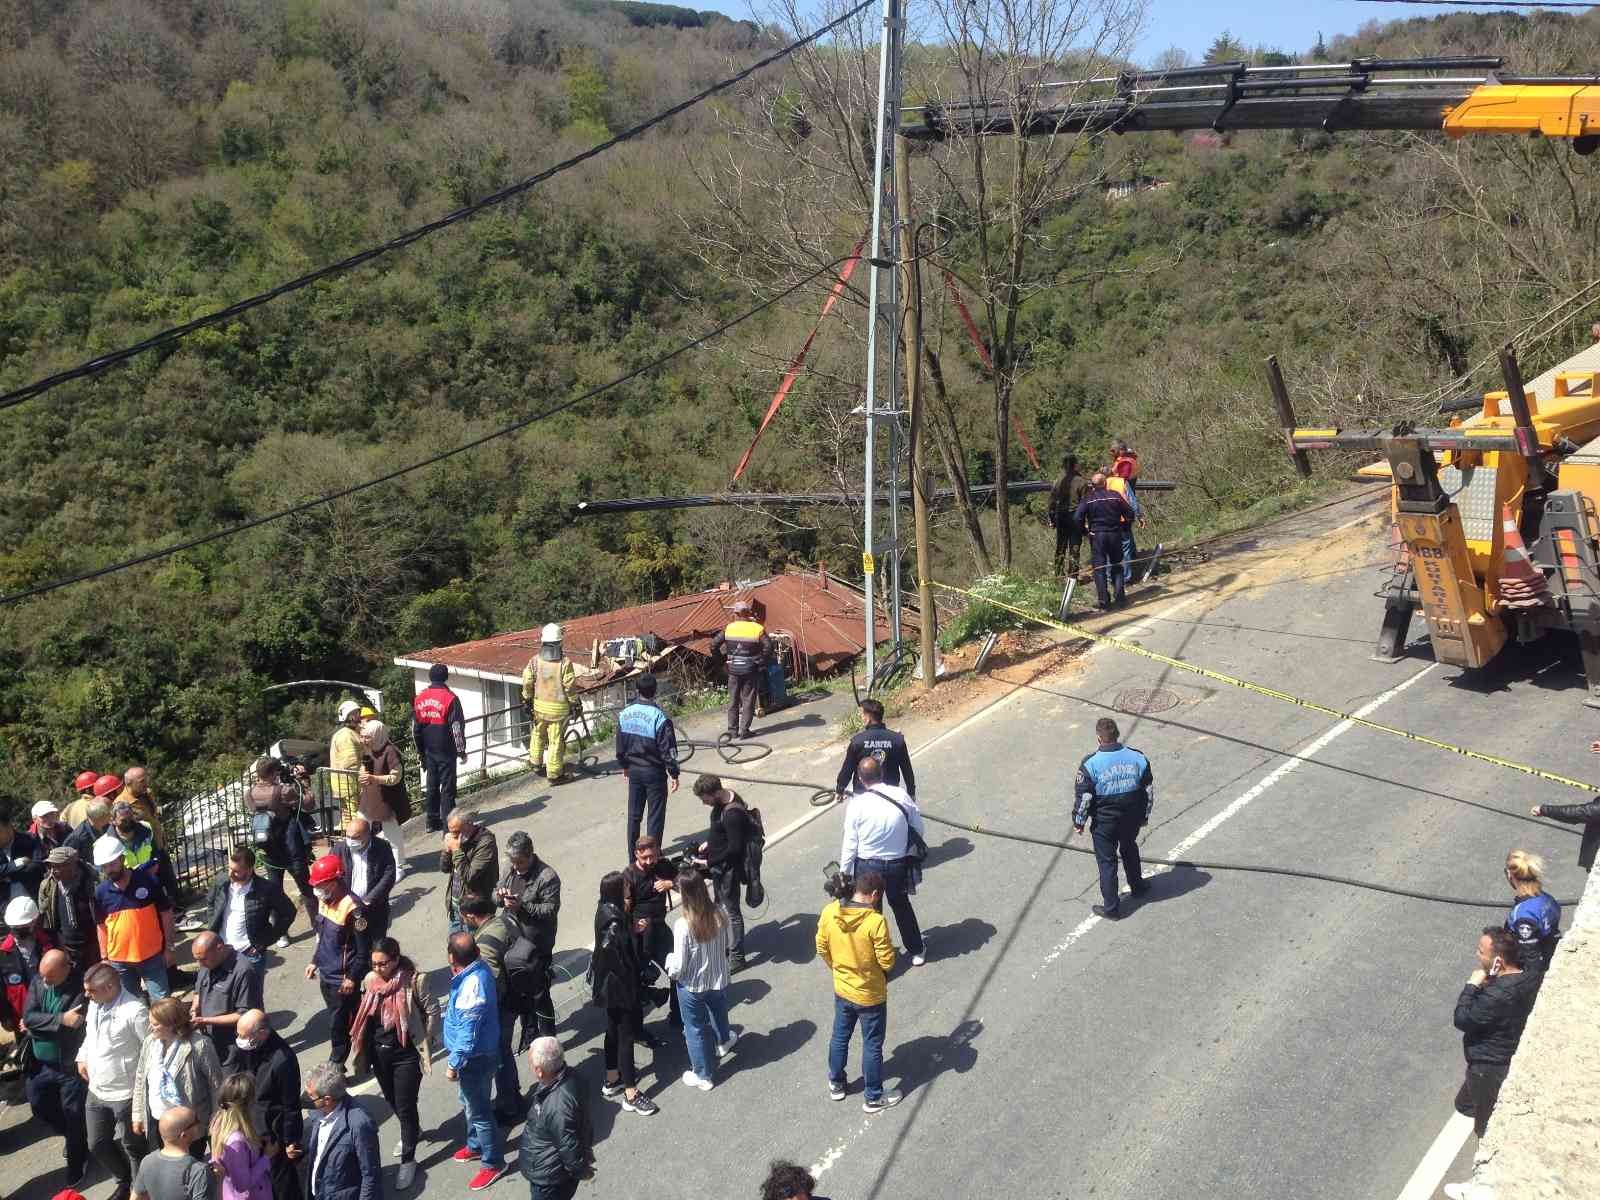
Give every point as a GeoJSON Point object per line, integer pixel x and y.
{"type": "Point", "coordinates": [1238, 1035]}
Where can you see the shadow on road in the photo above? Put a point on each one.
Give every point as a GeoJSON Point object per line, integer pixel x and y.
{"type": "Point", "coordinates": [791, 940]}
{"type": "Point", "coordinates": [952, 941]}
{"type": "Point", "coordinates": [948, 850]}
{"type": "Point", "coordinates": [809, 721]}
{"type": "Point", "coordinates": [1169, 885]}
{"type": "Point", "coordinates": [918, 1062]}
{"type": "Point", "coordinates": [755, 1049]}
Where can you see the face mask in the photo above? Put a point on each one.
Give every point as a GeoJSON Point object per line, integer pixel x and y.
{"type": "Point", "coordinates": [361, 845]}
{"type": "Point", "coordinates": [244, 1043]}
{"type": "Point", "coordinates": [325, 895]}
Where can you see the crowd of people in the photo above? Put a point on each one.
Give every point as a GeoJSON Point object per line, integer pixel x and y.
{"type": "Point", "coordinates": [1102, 508]}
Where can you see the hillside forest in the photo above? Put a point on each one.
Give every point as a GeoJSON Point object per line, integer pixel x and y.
{"type": "Point", "coordinates": [160, 159]}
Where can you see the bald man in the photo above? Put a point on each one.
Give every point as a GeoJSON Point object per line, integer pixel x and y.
{"type": "Point", "coordinates": [262, 1054]}
{"type": "Point", "coordinates": [226, 989]}
{"type": "Point", "coordinates": [136, 791]}
{"type": "Point", "coordinates": [53, 1020]}
{"type": "Point", "coordinates": [172, 1173]}
{"type": "Point", "coordinates": [370, 870]}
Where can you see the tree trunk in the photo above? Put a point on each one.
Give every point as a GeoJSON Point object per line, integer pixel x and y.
{"type": "Point", "coordinates": [950, 453]}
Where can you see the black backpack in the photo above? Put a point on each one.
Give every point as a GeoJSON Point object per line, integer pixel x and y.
{"type": "Point", "coordinates": [526, 968]}
{"type": "Point", "coordinates": [754, 848]}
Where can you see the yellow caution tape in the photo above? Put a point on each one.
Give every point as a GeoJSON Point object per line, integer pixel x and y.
{"type": "Point", "coordinates": [1179, 665]}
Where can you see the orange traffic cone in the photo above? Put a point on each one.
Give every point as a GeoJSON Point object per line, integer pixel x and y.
{"type": "Point", "coordinates": [1522, 585]}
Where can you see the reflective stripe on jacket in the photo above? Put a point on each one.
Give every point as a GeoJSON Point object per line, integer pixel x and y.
{"type": "Point", "coordinates": [549, 686]}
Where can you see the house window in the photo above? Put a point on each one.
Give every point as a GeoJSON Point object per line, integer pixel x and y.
{"type": "Point", "coordinates": [503, 709]}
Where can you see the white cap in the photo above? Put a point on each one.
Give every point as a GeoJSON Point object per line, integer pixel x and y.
{"type": "Point", "coordinates": [21, 912]}
{"type": "Point", "coordinates": [44, 806]}
{"type": "Point", "coordinates": [552, 633]}
{"type": "Point", "coordinates": [106, 850]}
{"type": "Point", "coordinates": [348, 709]}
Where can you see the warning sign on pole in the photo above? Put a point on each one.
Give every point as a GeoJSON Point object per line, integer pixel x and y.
{"type": "Point", "coordinates": [867, 565]}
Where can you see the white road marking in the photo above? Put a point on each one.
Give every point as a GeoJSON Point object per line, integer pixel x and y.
{"type": "Point", "coordinates": [1425, 1180]}
{"type": "Point", "coordinates": [836, 1151]}
{"type": "Point", "coordinates": [1284, 768]}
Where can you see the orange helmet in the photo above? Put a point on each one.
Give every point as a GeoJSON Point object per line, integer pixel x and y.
{"type": "Point", "coordinates": [107, 785]}
{"type": "Point", "coordinates": [326, 869]}
{"type": "Point", "coordinates": [85, 781]}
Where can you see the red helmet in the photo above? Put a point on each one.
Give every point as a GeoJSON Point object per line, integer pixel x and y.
{"type": "Point", "coordinates": [85, 781]}
{"type": "Point", "coordinates": [107, 785]}
{"type": "Point", "coordinates": [326, 869]}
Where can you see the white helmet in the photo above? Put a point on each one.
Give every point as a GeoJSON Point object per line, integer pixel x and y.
{"type": "Point", "coordinates": [551, 633]}
{"type": "Point", "coordinates": [347, 710]}
{"type": "Point", "coordinates": [106, 850]}
{"type": "Point", "coordinates": [21, 912]}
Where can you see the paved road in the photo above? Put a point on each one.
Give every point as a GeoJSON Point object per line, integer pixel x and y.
{"type": "Point", "coordinates": [1238, 1034]}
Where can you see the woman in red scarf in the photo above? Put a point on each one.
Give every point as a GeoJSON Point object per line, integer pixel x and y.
{"type": "Point", "coordinates": [395, 1029]}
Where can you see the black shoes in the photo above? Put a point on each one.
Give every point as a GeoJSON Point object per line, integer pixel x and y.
{"type": "Point", "coordinates": [1142, 890]}
{"type": "Point", "coordinates": [1110, 914]}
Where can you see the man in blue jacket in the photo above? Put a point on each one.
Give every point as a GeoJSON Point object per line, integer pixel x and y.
{"type": "Point", "coordinates": [341, 1141]}
{"type": "Point", "coordinates": [647, 752]}
{"type": "Point", "coordinates": [472, 1044]}
{"type": "Point", "coordinates": [1115, 789]}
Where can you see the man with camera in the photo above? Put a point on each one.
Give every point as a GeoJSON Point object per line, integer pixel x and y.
{"type": "Point", "coordinates": [650, 880]}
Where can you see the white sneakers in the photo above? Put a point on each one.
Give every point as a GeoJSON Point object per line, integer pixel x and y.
{"type": "Point", "coordinates": [690, 1079]}
{"type": "Point", "coordinates": [733, 1036]}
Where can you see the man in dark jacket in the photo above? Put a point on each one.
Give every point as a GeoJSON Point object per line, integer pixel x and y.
{"type": "Point", "coordinates": [370, 869]}
{"type": "Point", "coordinates": [647, 752]}
{"type": "Point", "coordinates": [744, 645]}
{"type": "Point", "coordinates": [724, 851]}
{"type": "Point", "coordinates": [226, 988]}
{"type": "Point", "coordinates": [96, 821]}
{"type": "Point", "coordinates": [1065, 496]}
{"type": "Point", "coordinates": [471, 858]}
{"type": "Point", "coordinates": [53, 1017]}
{"type": "Point", "coordinates": [260, 1052]}
{"type": "Point", "coordinates": [247, 911]}
{"type": "Point", "coordinates": [66, 908]}
{"type": "Point", "coordinates": [1490, 1013]}
{"type": "Point", "coordinates": [440, 733]}
{"type": "Point", "coordinates": [649, 878]}
{"type": "Point", "coordinates": [21, 860]}
{"type": "Point", "coordinates": [875, 740]}
{"type": "Point", "coordinates": [1587, 815]}
{"type": "Point", "coordinates": [1103, 515]}
{"type": "Point", "coordinates": [278, 833]}
{"type": "Point", "coordinates": [530, 890]}
{"type": "Point", "coordinates": [554, 1154]}
{"type": "Point", "coordinates": [344, 1164]}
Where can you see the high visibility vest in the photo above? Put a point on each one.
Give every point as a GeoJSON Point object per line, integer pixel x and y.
{"type": "Point", "coordinates": [551, 682]}
{"type": "Point", "coordinates": [741, 645]}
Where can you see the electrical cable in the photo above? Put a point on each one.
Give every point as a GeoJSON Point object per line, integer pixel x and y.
{"type": "Point", "coordinates": [316, 501]}
{"type": "Point", "coordinates": [823, 795]}
{"type": "Point", "coordinates": [167, 336]}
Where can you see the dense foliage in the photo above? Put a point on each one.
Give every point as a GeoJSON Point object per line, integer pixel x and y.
{"type": "Point", "coordinates": [162, 158]}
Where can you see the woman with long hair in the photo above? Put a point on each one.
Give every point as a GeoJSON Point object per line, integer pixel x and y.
{"type": "Point", "coordinates": [177, 1067]}
{"type": "Point", "coordinates": [1535, 917]}
{"type": "Point", "coordinates": [701, 942]}
{"type": "Point", "coordinates": [395, 1028]}
{"type": "Point", "coordinates": [239, 1156]}
{"type": "Point", "coordinates": [615, 985]}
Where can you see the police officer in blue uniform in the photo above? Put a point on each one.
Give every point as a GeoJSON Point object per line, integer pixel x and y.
{"type": "Point", "coordinates": [1115, 790]}
{"type": "Point", "coordinates": [647, 750]}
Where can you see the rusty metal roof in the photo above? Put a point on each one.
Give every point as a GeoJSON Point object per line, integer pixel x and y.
{"type": "Point", "coordinates": [823, 615]}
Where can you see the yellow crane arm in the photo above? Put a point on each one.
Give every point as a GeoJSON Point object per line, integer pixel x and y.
{"type": "Point", "coordinates": [1549, 109]}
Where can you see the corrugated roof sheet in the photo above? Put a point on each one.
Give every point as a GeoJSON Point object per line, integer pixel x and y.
{"type": "Point", "coordinates": [823, 615]}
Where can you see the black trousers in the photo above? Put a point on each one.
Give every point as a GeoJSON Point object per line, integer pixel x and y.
{"type": "Point", "coordinates": [1105, 551]}
{"type": "Point", "coordinates": [742, 692]}
{"type": "Point", "coordinates": [1116, 836]}
{"type": "Point", "coordinates": [111, 1138]}
{"type": "Point", "coordinates": [57, 1098]}
{"type": "Point", "coordinates": [620, 1031]}
{"type": "Point", "coordinates": [441, 793]}
{"type": "Point", "coordinates": [655, 943]}
{"type": "Point", "coordinates": [896, 890]}
{"type": "Point", "coordinates": [343, 1009]}
{"type": "Point", "coordinates": [1069, 543]}
{"type": "Point", "coordinates": [399, 1072]}
{"type": "Point", "coordinates": [727, 885]}
{"type": "Point", "coordinates": [646, 791]}
{"type": "Point", "coordinates": [1479, 1090]}
{"type": "Point", "coordinates": [300, 873]}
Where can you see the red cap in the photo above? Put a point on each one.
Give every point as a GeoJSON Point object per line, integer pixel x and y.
{"type": "Point", "coordinates": [85, 781]}
{"type": "Point", "coordinates": [107, 785]}
{"type": "Point", "coordinates": [326, 869]}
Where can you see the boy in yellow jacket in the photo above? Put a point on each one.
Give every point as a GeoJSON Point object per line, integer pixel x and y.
{"type": "Point", "coordinates": [853, 939]}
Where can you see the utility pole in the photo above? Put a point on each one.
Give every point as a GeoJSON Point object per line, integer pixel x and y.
{"type": "Point", "coordinates": [911, 294]}
{"type": "Point", "coordinates": [882, 186]}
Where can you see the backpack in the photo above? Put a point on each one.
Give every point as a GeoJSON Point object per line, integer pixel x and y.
{"type": "Point", "coordinates": [755, 845]}
{"type": "Point", "coordinates": [526, 969]}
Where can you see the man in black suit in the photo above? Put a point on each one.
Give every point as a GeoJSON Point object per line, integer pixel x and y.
{"type": "Point", "coordinates": [264, 1055]}
{"type": "Point", "coordinates": [369, 871]}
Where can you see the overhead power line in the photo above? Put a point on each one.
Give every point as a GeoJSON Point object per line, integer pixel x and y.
{"type": "Point", "coordinates": [168, 336]}
{"type": "Point", "coordinates": [218, 535]}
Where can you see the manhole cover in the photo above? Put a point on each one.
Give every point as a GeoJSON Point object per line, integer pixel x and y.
{"type": "Point", "coordinates": [1144, 701]}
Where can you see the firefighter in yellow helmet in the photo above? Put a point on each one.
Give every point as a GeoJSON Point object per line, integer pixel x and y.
{"type": "Point", "coordinates": [344, 761]}
{"type": "Point", "coordinates": [547, 687]}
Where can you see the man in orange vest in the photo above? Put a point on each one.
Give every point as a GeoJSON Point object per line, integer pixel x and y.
{"type": "Point", "coordinates": [1120, 478]}
{"type": "Point", "coordinates": [745, 646]}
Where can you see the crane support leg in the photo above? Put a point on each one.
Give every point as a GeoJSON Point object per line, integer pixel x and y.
{"type": "Point", "coordinates": [1398, 606]}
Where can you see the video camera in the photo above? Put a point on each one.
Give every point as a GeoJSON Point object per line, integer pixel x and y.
{"type": "Point", "coordinates": [836, 883]}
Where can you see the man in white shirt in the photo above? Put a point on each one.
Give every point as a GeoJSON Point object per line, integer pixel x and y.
{"type": "Point", "coordinates": [248, 912]}
{"type": "Point", "coordinates": [878, 824]}
{"type": "Point", "coordinates": [113, 1034]}
{"type": "Point", "coordinates": [371, 872]}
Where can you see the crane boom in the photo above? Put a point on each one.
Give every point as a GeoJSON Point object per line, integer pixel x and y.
{"type": "Point", "coordinates": [1369, 93]}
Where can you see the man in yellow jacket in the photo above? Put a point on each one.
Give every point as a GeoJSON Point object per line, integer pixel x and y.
{"type": "Point", "coordinates": [547, 683]}
{"type": "Point", "coordinates": [853, 939]}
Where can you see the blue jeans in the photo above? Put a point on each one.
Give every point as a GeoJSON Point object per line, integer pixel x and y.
{"type": "Point", "coordinates": [705, 1027]}
{"type": "Point", "coordinates": [474, 1082]}
{"type": "Point", "coordinates": [152, 972]}
{"type": "Point", "coordinates": [257, 963]}
{"type": "Point", "coordinates": [1129, 549]}
{"type": "Point", "coordinates": [874, 1024]}
{"type": "Point", "coordinates": [508, 1088]}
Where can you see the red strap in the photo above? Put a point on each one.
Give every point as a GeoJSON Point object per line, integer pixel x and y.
{"type": "Point", "coordinates": [983, 353]}
{"type": "Point", "coordinates": [799, 360]}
